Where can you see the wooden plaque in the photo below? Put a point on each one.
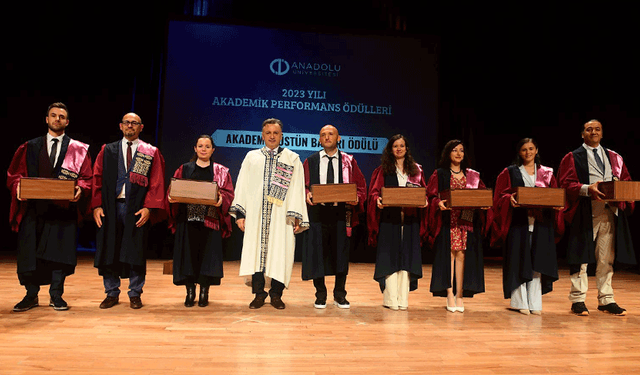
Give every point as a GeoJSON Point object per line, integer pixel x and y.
{"type": "Point", "coordinates": [332, 193]}
{"type": "Point", "coordinates": [167, 268]}
{"type": "Point", "coordinates": [192, 191]}
{"type": "Point", "coordinates": [47, 188]}
{"type": "Point", "coordinates": [468, 198]}
{"type": "Point", "coordinates": [404, 196]}
{"type": "Point", "coordinates": [540, 197]}
{"type": "Point", "coordinates": [620, 191]}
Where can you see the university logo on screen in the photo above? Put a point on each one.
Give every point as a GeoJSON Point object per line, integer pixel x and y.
{"type": "Point", "coordinates": [281, 67]}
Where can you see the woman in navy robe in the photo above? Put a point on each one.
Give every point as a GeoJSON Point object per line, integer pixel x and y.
{"type": "Point", "coordinates": [527, 235]}
{"type": "Point", "coordinates": [455, 234]}
{"type": "Point", "coordinates": [199, 229]}
{"type": "Point", "coordinates": [396, 231]}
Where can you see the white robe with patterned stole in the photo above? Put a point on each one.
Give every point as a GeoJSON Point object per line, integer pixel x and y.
{"type": "Point", "coordinates": [270, 194]}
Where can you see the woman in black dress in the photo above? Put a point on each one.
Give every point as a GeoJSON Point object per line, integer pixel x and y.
{"type": "Point", "coordinates": [199, 229]}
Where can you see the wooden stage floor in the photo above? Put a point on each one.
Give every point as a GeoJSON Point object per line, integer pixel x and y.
{"type": "Point", "coordinates": [227, 337]}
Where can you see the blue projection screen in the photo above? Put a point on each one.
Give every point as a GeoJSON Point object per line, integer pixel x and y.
{"type": "Point", "coordinates": [224, 80]}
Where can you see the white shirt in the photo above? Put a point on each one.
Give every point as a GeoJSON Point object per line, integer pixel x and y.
{"type": "Point", "coordinates": [324, 164]}
{"type": "Point", "coordinates": [134, 147]}
{"type": "Point", "coordinates": [50, 145]}
{"type": "Point", "coordinates": [529, 181]}
{"type": "Point", "coordinates": [595, 175]}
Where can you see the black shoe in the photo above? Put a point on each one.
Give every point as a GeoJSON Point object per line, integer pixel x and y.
{"type": "Point", "coordinates": [203, 300]}
{"type": "Point", "coordinates": [135, 303]}
{"type": "Point", "coordinates": [257, 302]}
{"type": "Point", "coordinates": [613, 309]}
{"type": "Point", "coordinates": [190, 300]}
{"type": "Point", "coordinates": [109, 302]}
{"type": "Point", "coordinates": [342, 303]}
{"type": "Point", "coordinates": [320, 303]}
{"type": "Point", "coordinates": [27, 303]}
{"type": "Point", "coordinates": [277, 302]}
{"type": "Point", "coordinates": [58, 303]}
{"type": "Point", "coordinates": [579, 308]}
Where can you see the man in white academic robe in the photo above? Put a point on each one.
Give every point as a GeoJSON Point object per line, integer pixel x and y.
{"type": "Point", "coordinates": [269, 207]}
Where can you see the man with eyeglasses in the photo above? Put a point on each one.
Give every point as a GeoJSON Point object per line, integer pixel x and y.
{"type": "Point", "coordinates": [46, 228]}
{"type": "Point", "coordinates": [128, 187]}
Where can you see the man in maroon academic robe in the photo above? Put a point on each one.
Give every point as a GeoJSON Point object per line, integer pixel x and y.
{"type": "Point", "coordinates": [47, 229]}
{"type": "Point", "coordinates": [128, 188]}
{"type": "Point", "coordinates": [598, 231]}
{"type": "Point", "coordinates": [326, 243]}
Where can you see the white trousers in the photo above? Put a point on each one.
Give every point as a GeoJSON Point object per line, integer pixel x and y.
{"type": "Point", "coordinates": [528, 296]}
{"type": "Point", "coordinates": [396, 290]}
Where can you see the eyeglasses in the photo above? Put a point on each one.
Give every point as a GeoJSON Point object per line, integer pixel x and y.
{"type": "Point", "coordinates": [132, 123]}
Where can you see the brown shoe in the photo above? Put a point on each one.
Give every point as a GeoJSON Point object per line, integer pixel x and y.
{"type": "Point", "coordinates": [277, 303]}
{"type": "Point", "coordinates": [257, 302]}
{"type": "Point", "coordinates": [109, 302]}
{"type": "Point", "coordinates": [135, 302]}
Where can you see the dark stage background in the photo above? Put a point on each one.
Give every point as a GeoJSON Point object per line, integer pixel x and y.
{"type": "Point", "coordinates": [503, 73]}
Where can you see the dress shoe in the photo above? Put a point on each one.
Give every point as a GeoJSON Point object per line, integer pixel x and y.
{"type": "Point", "coordinates": [58, 303]}
{"type": "Point", "coordinates": [451, 309]}
{"type": "Point", "coordinates": [190, 300]}
{"type": "Point", "coordinates": [613, 309]}
{"type": "Point", "coordinates": [391, 307]}
{"type": "Point", "coordinates": [536, 312]}
{"type": "Point", "coordinates": [320, 303]}
{"type": "Point", "coordinates": [580, 309]}
{"type": "Point", "coordinates": [109, 302]}
{"type": "Point", "coordinates": [277, 303]}
{"type": "Point", "coordinates": [524, 311]}
{"type": "Point", "coordinates": [203, 300]}
{"type": "Point", "coordinates": [342, 303]}
{"type": "Point", "coordinates": [403, 308]}
{"type": "Point", "coordinates": [258, 302]}
{"type": "Point", "coordinates": [27, 303]}
{"type": "Point", "coordinates": [135, 302]}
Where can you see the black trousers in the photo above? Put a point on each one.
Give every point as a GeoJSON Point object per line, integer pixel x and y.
{"type": "Point", "coordinates": [339, 291]}
{"type": "Point", "coordinates": [56, 289]}
{"type": "Point", "coordinates": [257, 286]}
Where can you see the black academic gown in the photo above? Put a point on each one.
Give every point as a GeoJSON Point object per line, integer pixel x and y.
{"type": "Point", "coordinates": [473, 259]}
{"type": "Point", "coordinates": [522, 258]}
{"type": "Point", "coordinates": [318, 259]}
{"type": "Point", "coordinates": [47, 238]}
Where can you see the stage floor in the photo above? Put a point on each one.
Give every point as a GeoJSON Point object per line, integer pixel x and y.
{"type": "Point", "coordinates": [227, 337]}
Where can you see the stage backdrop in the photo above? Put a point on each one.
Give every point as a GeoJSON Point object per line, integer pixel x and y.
{"type": "Point", "coordinates": [224, 80]}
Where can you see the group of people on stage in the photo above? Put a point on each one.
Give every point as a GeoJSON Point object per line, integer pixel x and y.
{"type": "Point", "coordinates": [272, 202]}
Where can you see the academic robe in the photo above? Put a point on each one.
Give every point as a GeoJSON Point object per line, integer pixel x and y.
{"type": "Point", "coordinates": [316, 262]}
{"type": "Point", "coordinates": [510, 229]}
{"type": "Point", "coordinates": [218, 224]}
{"type": "Point", "coordinates": [440, 237]}
{"type": "Point", "coordinates": [270, 196]}
{"type": "Point", "coordinates": [398, 242]}
{"type": "Point", "coordinates": [144, 188]}
{"type": "Point", "coordinates": [47, 230]}
{"type": "Point", "coordinates": [572, 174]}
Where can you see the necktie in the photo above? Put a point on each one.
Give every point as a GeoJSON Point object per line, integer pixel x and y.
{"type": "Point", "coordinates": [54, 150]}
{"type": "Point", "coordinates": [330, 170]}
{"type": "Point", "coordinates": [598, 160]}
{"type": "Point", "coordinates": [129, 154]}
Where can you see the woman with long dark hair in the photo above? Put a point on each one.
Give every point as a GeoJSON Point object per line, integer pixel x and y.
{"type": "Point", "coordinates": [455, 234]}
{"type": "Point", "coordinates": [527, 235]}
{"type": "Point", "coordinates": [199, 229]}
{"type": "Point", "coordinates": [396, 231]}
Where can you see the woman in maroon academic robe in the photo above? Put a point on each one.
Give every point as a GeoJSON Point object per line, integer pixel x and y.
{"type": "Point", "coordinates": [199, 229]}
{"type": "Point", "coordinates": [454, 234]}
{"type": "Point", "coordinates": [396, 231]}
{"type": "Point", "coordinates": [527, 235]}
